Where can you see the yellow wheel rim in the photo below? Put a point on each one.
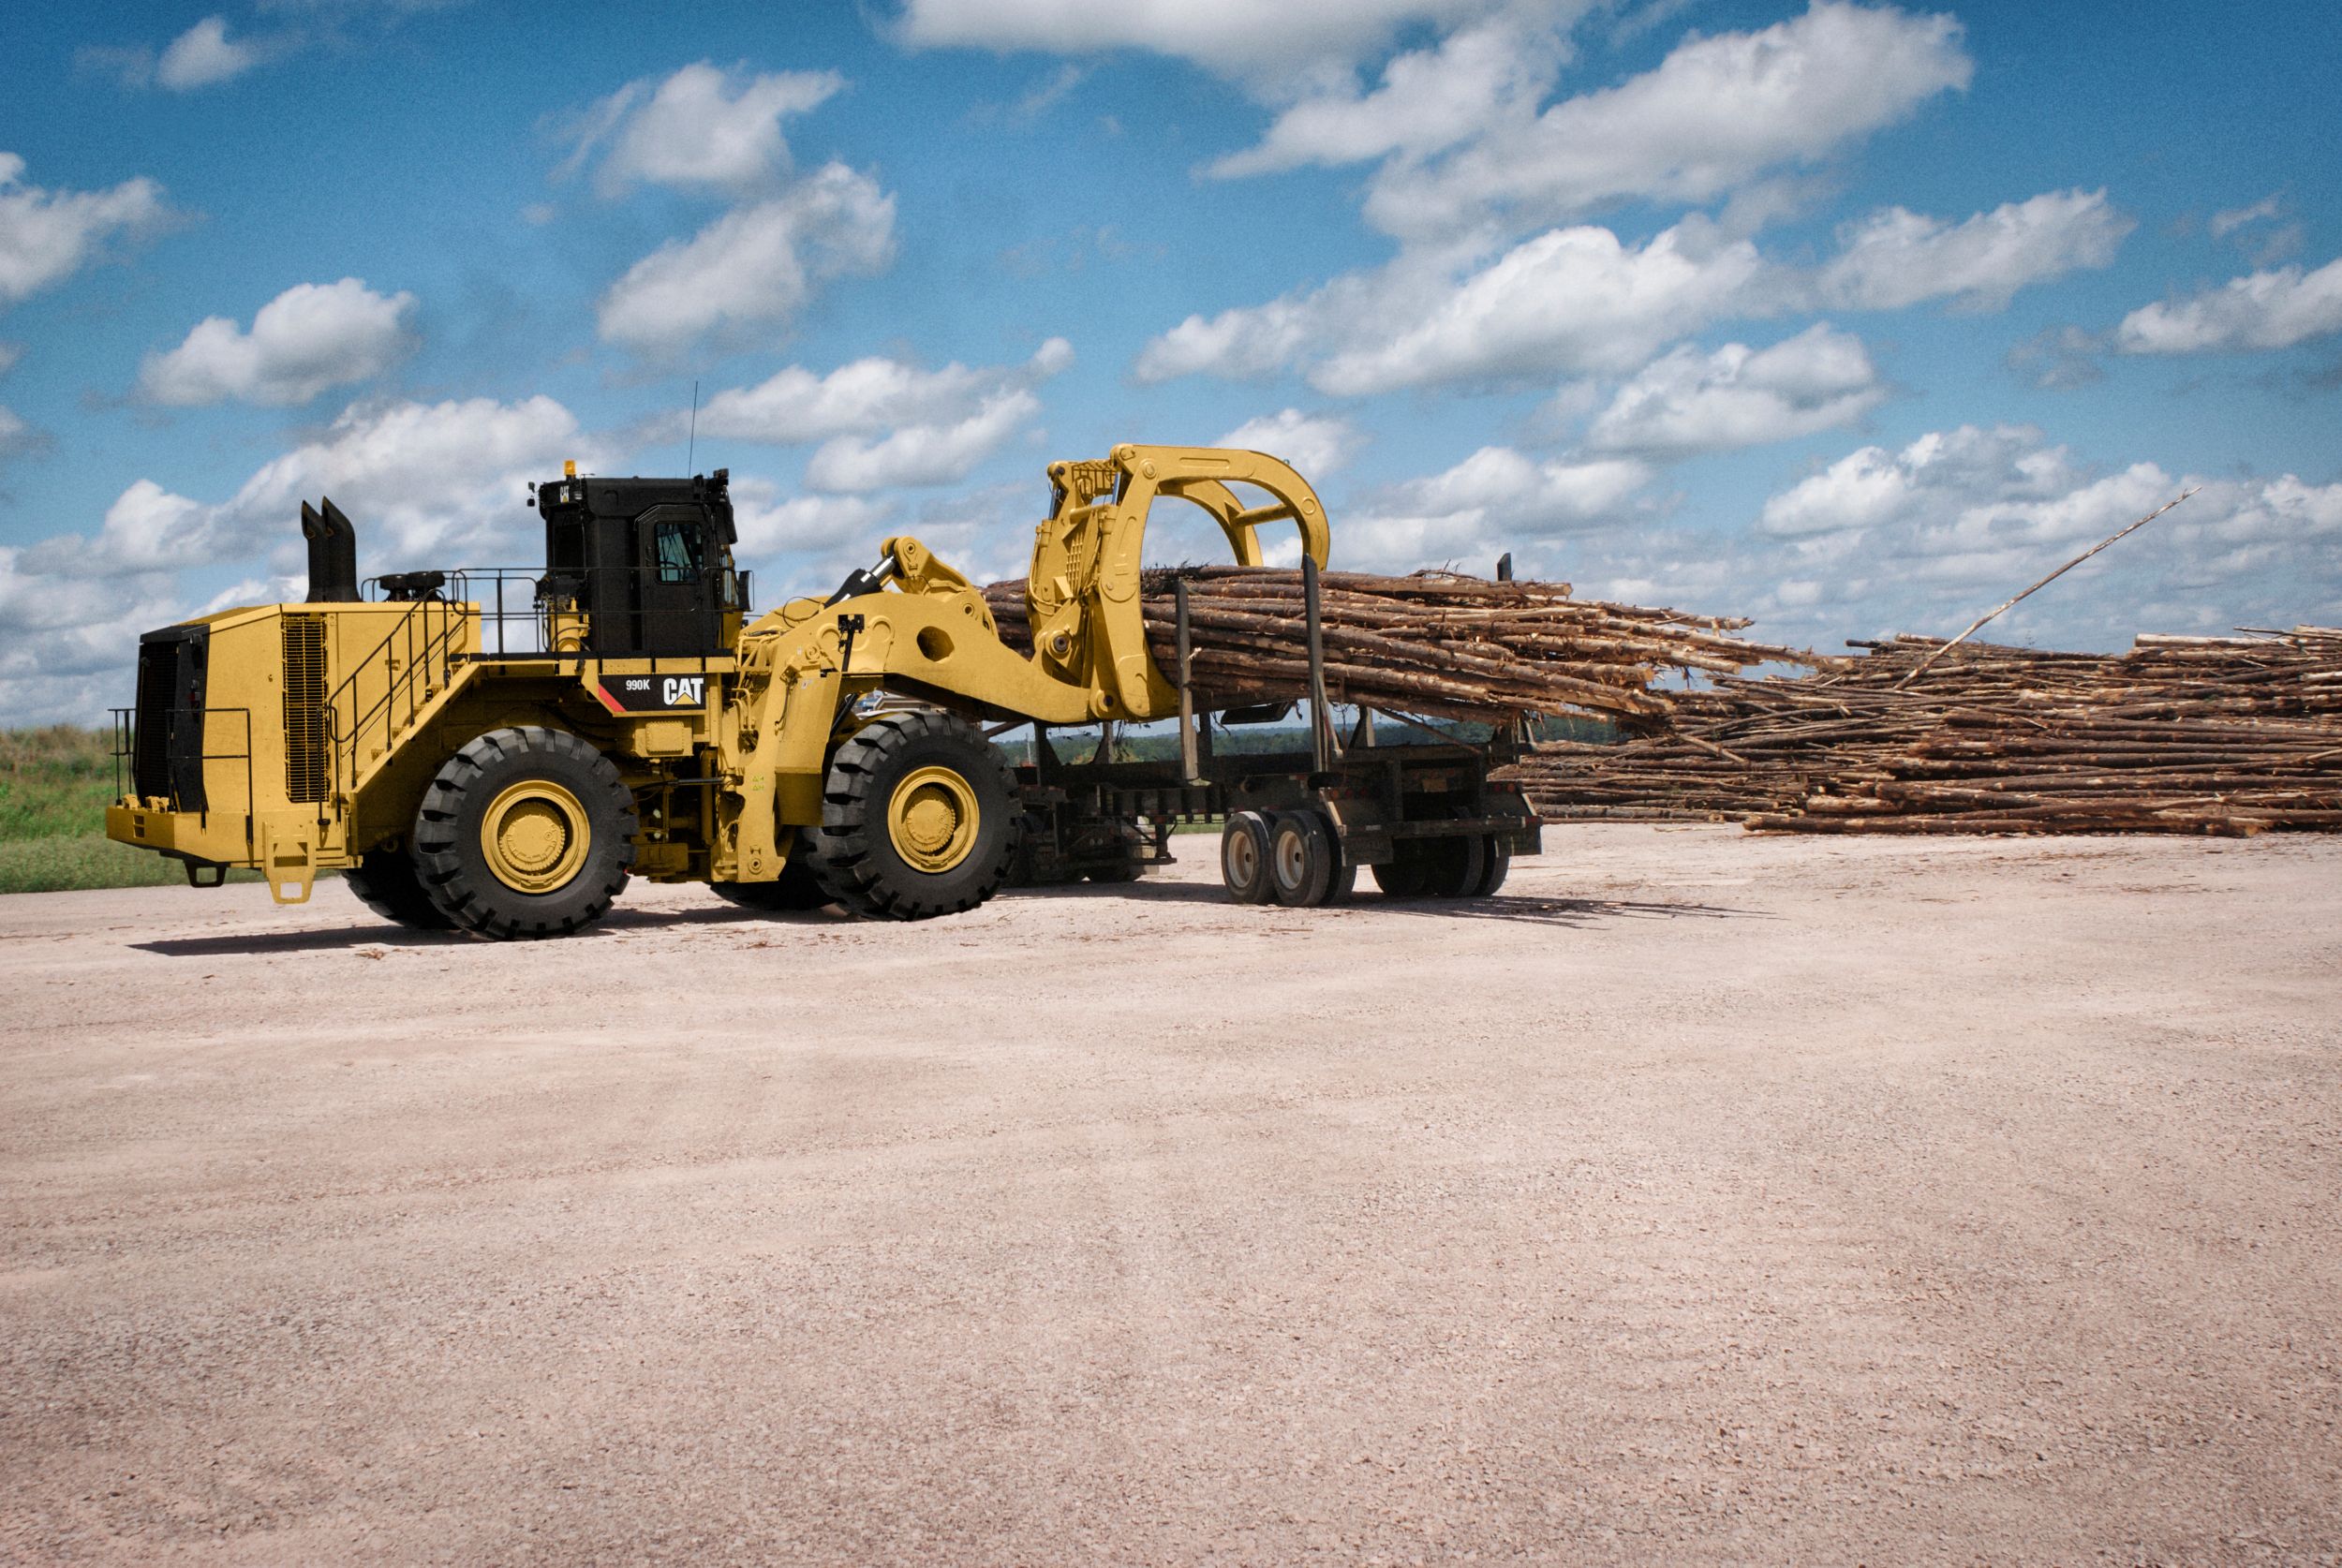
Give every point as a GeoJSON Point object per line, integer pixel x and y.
{"type": "Point", "coordinates": [535, 837]}
{"type": "Point", "coordinates": [932, 820]}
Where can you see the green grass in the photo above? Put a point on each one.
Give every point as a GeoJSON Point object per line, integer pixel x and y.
{"type": "Point", "coordinates": [54, 786]}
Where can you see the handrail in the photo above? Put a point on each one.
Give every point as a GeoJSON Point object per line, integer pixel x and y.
{"type": "Point", "coordinates": [428, 666]}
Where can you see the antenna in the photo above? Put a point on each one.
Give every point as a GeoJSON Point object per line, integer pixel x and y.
{"type": "Point", "coordinates": [691, 451]}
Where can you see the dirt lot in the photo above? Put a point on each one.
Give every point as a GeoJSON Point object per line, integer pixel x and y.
{"type": "Point", "coordinates": [1701, 1199]}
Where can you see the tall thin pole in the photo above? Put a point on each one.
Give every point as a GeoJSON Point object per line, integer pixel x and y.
{"type": "Point", "coordinates": [691, 451]}
{"type": "Point", "coordinates": [2044, 582]}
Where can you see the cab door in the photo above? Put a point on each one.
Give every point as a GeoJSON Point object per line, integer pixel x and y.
{"type": "Point", "coordinates": [677, 612]}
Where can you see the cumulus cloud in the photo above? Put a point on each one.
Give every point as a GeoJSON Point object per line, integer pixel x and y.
{"type": "Point", "coordinates": [1312, 444]}
{"type": "Point", "coordinates": [757, 264]}
{"type": "Point", "coordinates": [1236, 37]}
{"type": "Point", "coordinates": [1924, 536]}
{"type": "Point", "coordinates": [48, 235]}
{"type": "Point", "coordinates": [2273, 309]}
{"type": "Point", "coordinates": [310, 338]}
{"type": "Point", "coordinates": [16, 436]}
{"type": "Point", "coordinates": [1687, 402]}
{"type": "Point", "coordinates": [1428, 100]}
{"type": "Point", "coordinates": [1896, 258]}
{"type": "Point", "coordinates": [922, 455]}
{"type": "Point", "coordinates": [423, 482]}
{"type": "Point", "coordinates": [1573, 299]}
{"type": "Point", "coordinates": [1481, 505]}
{"type": "Point", "coordinates": [1716, 114]}
{"type": "Point", "coordinates": [869, 395]}
{"type": "Point", "coordinates": [769, 526]}
{"type": "Point", "coordinates": [204, 57]}
{"type": "Point", "coordinates": [2225, 223]}
{"type": "Point", "coordinates": [700, 127]}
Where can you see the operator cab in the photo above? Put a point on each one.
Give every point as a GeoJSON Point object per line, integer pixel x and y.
{"type": "Point", "coordinates": [644, 563]}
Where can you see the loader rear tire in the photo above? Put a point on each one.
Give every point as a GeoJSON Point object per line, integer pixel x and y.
{"type": "Point", "coordinates": [919, 819]}
{"type": "Point", "coordinates": [385, 882]}
{"type": "Point", "coordinates": [525, 833]}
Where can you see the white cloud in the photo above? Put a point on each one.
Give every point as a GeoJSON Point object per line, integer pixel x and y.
{"type": "Point", "coordinates": [869, 395]}
{"type": "Point", "coordinates": [424, 482]}
{"type": "Point", "coordinates": [755, 264]}
{"type": "Point", "coordinates": [1687, 402]}
{"type": "Point", "coordinates": [16, 436]}
{"type": "Point", "coordinates": [2225, 223]}
{"type": "Point", "coordinates": [2262, 310]}
{"type": "Point", "coordinates": [1717, 112]}
{"type": "Point", "coordinates": [310, 337]}
{"type": "Point", "coordinates": [1571, 300]}
{"type": "Point", "coordinates": [922, 455]}
{"type": "Point", "coordinates": [700, 127]}
{"type": "Point", "coordinates": [1314, 445]}
{"type": "Point", "coordinates": [1938, 471]}
{"type": "Point", "coordinates": [1482, 504]}
{"type": "Point", "coordinates": [1429, 99]}
{"type": "Point", "coordinates": [204, 57]}
{"type": "Point", "coordinates": [1895, 258]}
{"type": "Point", "coordinates": [769, 526]}
{"type": "Point", "coordinates": [46, 236]}
{"type": "Point", "coordinates": [1236, 37]}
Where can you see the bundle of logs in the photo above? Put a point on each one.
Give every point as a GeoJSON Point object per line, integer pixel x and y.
{"type": "Point", "coordinates": [1436, 643]}
{"type": "Point", "coordinates": [2181, 734]}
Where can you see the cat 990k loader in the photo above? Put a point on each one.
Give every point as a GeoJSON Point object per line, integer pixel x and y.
{"type": "Point", "coordinates": [498, 753]}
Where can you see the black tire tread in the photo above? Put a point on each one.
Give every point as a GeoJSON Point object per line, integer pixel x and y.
{"type": "Point", "coordinates": [843, 855]}
{"type": "Point", "coordinates": [463, 889]}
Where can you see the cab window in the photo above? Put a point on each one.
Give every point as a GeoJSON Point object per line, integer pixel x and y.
{"type": "Point", "coordinates": [678, 549]}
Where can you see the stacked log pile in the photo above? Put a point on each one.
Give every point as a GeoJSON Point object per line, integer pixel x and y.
{"type": "Point", "coordinates": [2192, 734]}
{"type": "Point", "coordinates": [1435, 643]}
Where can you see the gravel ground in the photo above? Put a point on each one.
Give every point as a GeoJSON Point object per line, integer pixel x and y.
{"type": "Point", "coordinates": [1702, 1199]}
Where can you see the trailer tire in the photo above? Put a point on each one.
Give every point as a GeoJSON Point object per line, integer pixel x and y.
{"type": "Point", "coordinates": [1302, 858]}
{"type": "Point", "coordinates": [1405, 874]}
{"type": "Point", "coordinates": [1454, 866]}
{"type": "Point", "coordinates": [385, 882]}
{"type": "Point", "coordinates": [1244, 858]}
{"type": "Point", "coordinates": [919, 818]}
{"type": "Point", "coordinates": [525, 833]}
{"type": "Point", "coordinates": [1498, 865]}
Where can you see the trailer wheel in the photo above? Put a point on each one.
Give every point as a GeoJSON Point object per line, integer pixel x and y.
{"type": "Point", "coordinates": [525, 833]}
{"type": "Point", "coordinates": [919, 819]}
{"type": "Point", "coordinates": [1454, 866]}
{"type": "Point", "coordinates": [1405, 874]}
{"type": "Point", "coordinates": [795, 890]}
{"type": "Point", "coordinates": [1244, 858]}
{"type": "Point", "coordinates": [385, 882]}
{"type": "Point", "coordinates": [1302, 859]}
{"type": "Point", "coordinates": [1498, 865]}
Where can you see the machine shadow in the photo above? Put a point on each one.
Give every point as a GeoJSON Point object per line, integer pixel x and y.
{"type": "Point", "coordinates": [1526, 909]}
{"type": "Point", "coordinates": [382, 934]}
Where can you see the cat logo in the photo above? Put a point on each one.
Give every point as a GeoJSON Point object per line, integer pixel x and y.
{"type": "Point", "coordinates": [623, 694]}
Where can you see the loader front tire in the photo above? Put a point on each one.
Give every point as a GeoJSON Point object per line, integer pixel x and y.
{"type": "Point", "coordinates": [919, 819]}
{"type": "Point", "coordinates": [385, 882]}
{"type": "Point", "coordinates": [525, 833]}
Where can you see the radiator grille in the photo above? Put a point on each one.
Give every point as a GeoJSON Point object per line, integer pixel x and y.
{"type": "Point", "coordinates": [305, 707]}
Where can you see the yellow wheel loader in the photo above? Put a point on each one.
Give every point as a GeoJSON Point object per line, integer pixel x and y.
{"type": "Point", "coordinates": [497, 752]}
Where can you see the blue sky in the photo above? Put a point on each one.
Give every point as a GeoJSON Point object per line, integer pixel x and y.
{"type": "Point", "coordinates": [1851, 317]}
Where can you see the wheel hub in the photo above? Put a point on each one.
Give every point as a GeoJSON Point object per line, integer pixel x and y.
{"type": "Point", "coordinates": [932, 820]}
{"type": "Point", "coordinates": [534, 836]}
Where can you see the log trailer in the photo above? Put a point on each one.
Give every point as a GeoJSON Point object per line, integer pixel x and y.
{"type": "Point", "coordinates": [497, 751]}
